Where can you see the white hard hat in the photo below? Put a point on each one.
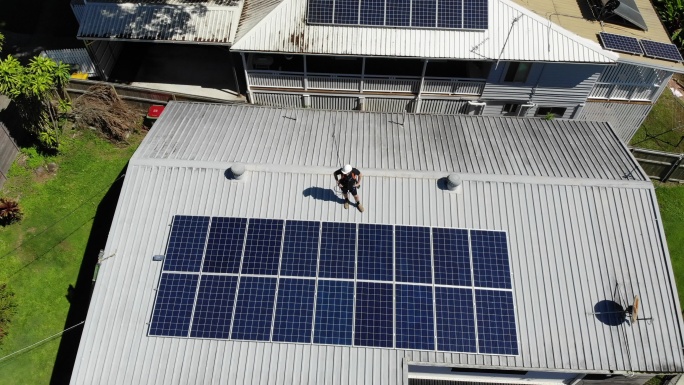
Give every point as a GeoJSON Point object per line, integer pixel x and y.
{"type": "Point", "coordinates": [346, 169]}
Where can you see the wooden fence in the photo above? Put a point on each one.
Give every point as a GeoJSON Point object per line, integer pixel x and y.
{"type": "Point", "coordinates": [662, 166]}
{"type": "Point", "coordinates": [8, 151]}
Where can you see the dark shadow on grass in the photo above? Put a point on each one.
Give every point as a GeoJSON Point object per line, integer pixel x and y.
{"type": "Point", "coordinates": [79, 295]}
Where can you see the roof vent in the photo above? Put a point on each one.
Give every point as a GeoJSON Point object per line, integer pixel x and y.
{"type": "Point", "coordinates": [238, 171]}
{"type": "Point", "coordinates": [454, 184]}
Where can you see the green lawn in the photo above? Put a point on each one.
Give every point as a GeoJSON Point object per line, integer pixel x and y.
{"type": "Point", "coordinates": [40, 258]}
{"type": "Point", "coordinates": [663, 129]}
{"type": "Point", "coordinates": [671, 201]}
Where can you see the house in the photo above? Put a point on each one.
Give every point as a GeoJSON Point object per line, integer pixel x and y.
{"type": "Point", "coordinates": [525, 58]}
{"type": "Point", "coordinates": [576, 284]}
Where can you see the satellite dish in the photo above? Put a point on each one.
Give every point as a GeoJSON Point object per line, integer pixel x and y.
{"type": "Point", "coordinates": [635, 309]}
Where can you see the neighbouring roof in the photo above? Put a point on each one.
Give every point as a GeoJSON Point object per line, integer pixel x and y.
{"type": "Point", "coordinates": [175, 21]}
{"type": "Point", "coordinates": [579, 212]}
{"type": "Point", "coordinates": [531, 37]}
{"type": "Point", "coordinates": [76, 57]}
{"type": "Point", "coordinates": [576, 17]}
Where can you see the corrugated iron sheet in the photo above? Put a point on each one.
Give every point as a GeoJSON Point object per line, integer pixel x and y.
{"type": "Point", "coordinates": [78, 57]}
{"type": "Point", "coordinates": [197, 23]}
{"type": "Point", "coordinates": [571, 239]}
{"type": "Point", "coordinates": [531, 38]}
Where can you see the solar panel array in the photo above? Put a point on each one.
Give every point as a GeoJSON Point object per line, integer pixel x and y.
{"type": "Point", "coordinates": [449, 14]}
{"type": "Point", "coordinates": [635, 46]}
{"type": "Point", "coordinates": [388, 286]}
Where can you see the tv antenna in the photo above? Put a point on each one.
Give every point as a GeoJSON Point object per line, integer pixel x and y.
{"type": "Point", "coordinates": [615, 313]}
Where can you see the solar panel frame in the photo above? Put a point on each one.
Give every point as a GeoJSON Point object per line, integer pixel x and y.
{"type": "Point", "coordinates": [455, 319]}
{"type": "Point", "coordinates": [496, 326]}
{"type": "Point", "coordinates": [490, 259]}
{"type": "Point", "coordinates": [414, 323]}
{"type": "Point", "coordinates": [412, 254]}
{"type": "Point", "coordinates": [620, 43]}
{"type": "Point", "coordinates": [374, 315]}
{"type": "Point", "coordinates": [300, 248]}
{"type": "Point", "coordinates": [375, 255]}
{"type": "Point", "coordinates": [660, 50]}
{"type": "Point", "coordinates": [253, 315]}
{"type": "Point", "coordinates": [451, 252]}
{"type": "Point", "coordinates": [294, 310]}
{"type": "Point", "coordinates": [337, 258]}
{"type": "Point", "coordinates": [334, 313]}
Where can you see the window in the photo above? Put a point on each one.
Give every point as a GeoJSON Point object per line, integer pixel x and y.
{"type": "Point", "coordinates": [517, 72]}
{"type": "Point", "coordinates": [334, 64]}
{"type": "Point", "coordinates": [557, 112]}
{"type": "Point", "coordinates": [510, 109]}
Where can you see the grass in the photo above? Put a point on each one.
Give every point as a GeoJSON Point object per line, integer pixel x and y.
{"type": "Point", "coordinates": [663, 129]}
{"type": "Point", "coordinates": [41, 257]}
{"type": "Point", "coordinates": [671, 202]}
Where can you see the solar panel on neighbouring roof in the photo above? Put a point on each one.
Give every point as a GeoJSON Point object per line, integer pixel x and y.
{"type": "Point", "coordinates": [451, 14]}
{"type": "Point", "coordinates": [390, 286]}
{"type": "Point", "coordinates": [658, 50]}
{"type": "Point", "coordinates": [620, 43]}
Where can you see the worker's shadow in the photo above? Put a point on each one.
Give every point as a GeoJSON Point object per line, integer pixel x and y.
{"type": "Point", "coordinates": [323, 194]}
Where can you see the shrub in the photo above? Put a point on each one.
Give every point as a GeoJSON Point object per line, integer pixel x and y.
{"type": "Point", "coordinates": [9, 211]}
{"type": "Point", "coordinates": [7, 309]}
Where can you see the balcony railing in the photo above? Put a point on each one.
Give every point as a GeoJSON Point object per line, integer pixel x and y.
{"type": "Point", "coordinates": [628, 92]}
{"type": "Point", "coordinates": [368, 83]}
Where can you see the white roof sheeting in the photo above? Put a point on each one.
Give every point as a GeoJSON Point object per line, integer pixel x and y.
{"type": "Point", "coordinates": [573, 234]}
{"type": "Point", "coordinates": [532, 38]}
{"type": "Point", "coordinates": [198, 23]}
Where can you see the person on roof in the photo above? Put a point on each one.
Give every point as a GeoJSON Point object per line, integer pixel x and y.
{"type": "Point", "coordinates": [348, 179]}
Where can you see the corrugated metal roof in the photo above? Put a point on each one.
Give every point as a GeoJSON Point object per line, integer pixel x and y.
{"type": "Point", "coordinates": [531, 38]}
{"type": "Point", "coordinates": [571, 241]}
{"type": "Point", "coordinates": [382, 141]}
{"type": "Point", "coordinates": [197, 23]}
{"type": "Point", "coordinates": [78, 56]}
{"type": "Point", "coordinates": [573, 16]}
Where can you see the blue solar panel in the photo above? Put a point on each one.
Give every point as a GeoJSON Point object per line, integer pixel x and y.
{"type": "Point", "coordinates": [661, 50]}
{"type": "Point", "coordinates": [300, 248]}
{"type": "Point", "coordinates": [214, 307]}
{"type": "Point", "coordinates": [320, 11]}
{"type": "Point", "coordinates": [186, 243]}
{"type": "Point", "coordinates": [475, 14]}
{"type": "Point", "coordinates": [490, 259]}
{"type": "Point", "coordinates": [496, 322]}
{"type": "Point", "coordinates": [423, 13]}
{"type": "Point", "coordinates": [412, 254]}
{"type": "Point", "coordinates": [346, 12]}
{"type": "Point", "coordinates": [372, 12]}
{"type": "Point", "coordinates": [254, 309]}
{"type": "Point", "coordinates": [224, 247]}
{"type": "Point", "coordinates": [455, 320]}
{"type": "Point", "coordinates": [470, 14]}
{"type": "Point", "coordinates": [338, 250]}
{"type": "Point", "coordinates": [375, 260]}
{"type": "Point", "coordinates": [620, 43]}
{"type": "Point", "coordinates": [398, 13]}
{"type": "Point", "coordinates": [373, 320]}
{"type": "Point", "coordinates": [450, 14]}
{"type": "Point", "coordinates": [173, 307]}
{"type": "Point", "coordinates": [415, 317]}
{"type": "Point", "coordinates": [334, 309]}
{"type": "Point", "coordinates": [452, 257]}
{"type": "Point", "coordinates": [262, 249]}
{"type": "Point", "coordinates": [294, 310]}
